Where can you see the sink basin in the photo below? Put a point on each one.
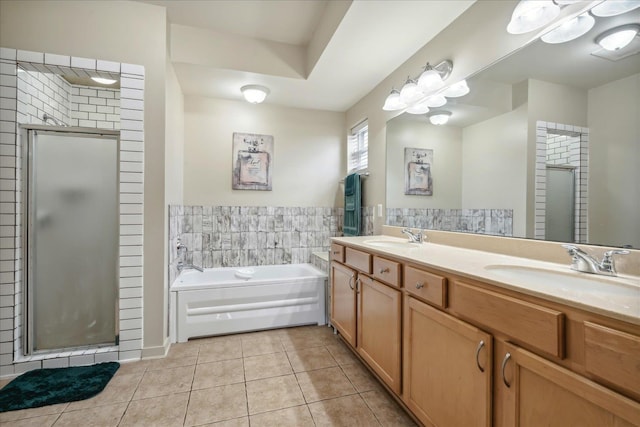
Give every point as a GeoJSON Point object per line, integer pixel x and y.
{"type": "Point", "coordinates": [615, 291]}
{"type": "Point", "coordinates": [391, 244]}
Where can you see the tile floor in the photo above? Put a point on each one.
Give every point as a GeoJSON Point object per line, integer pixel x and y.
{"type": "Point", "coordinates": [287, 377]}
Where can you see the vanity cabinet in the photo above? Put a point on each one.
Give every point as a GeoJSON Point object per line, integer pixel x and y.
{"type": "Point", "coordinates": [447, 367]}
{"type": "Point", "coordinates": [343, 301]}
{"type": "Point", "coordinates": [532, 391]}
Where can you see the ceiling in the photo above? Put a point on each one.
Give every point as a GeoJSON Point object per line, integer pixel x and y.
{"type": "Point", "coordinates": [316, 54]}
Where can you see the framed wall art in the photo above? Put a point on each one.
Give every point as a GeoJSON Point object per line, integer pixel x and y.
{"type": "Point", "coordinates": [417, 172]}
{"type": "Point", "coordinates": [252, 161]}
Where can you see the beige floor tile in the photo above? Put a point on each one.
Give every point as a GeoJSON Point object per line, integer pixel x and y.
{"type": "Point", "coordinates": [298, 416]}
{"type": "Point", "coordinates": [386, 410]}
{"type": "Point", "coordinates": [271, 333]}
{"type": "Point", "coordinates": [163, 382]}
{"type": "Point", "coordinates": [261, 345]}
{"type": "Point", "coordinates": [310, 359]}
{"type": "Point", "coordinates": [100, 416]}
{"type": "Point", "coordinates": [266, 365]}
{"type": "Point", "coordinates": [270, 394]}
{"type": "Point", "coordinates": [157, 411]}
{"type": "Point", "coordinates": [218, 373]}
{"type": "Point", "coordinates": [43, 421]}
{"type": "Point", "coordinates": [217, 404]}
{"type": "Point", "coordinates": [324, 384]}
{"type": "Point", "coordinates": [171, 362]}
{"type": "Point", "coordinates": [32, 413]}
{"type": "Point", "coordinates": [4, 382]}
{"type": "Point", "coordinates": [361, 378]}
{"type": "Point", "coordinates": [127, 368]}
{"type": "Point", "coordinates": [342, 354]}
{"type": "Point", "coordinates": [220, 349]}
{"type": "Point", "coordinates": [308, 338]}
{"type": "Point", "coordinates": [215, 339]}
{"type": "Point", "coordinates": [236, 422]}
{"type": "Point", "coordinates": [120, 389]}
{"type": "Point", "coordinates": [348, 411]}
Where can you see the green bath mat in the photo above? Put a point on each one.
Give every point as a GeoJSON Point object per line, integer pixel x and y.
{"type": "Point", "coordinates": [43, 387]}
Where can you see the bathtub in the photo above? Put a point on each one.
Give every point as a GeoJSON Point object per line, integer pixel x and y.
{"type": "Point", "coordinates": [227, 300]}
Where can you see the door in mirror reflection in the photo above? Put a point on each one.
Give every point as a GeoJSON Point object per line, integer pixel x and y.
{"type": "Point", "coordinates": [560, 203]}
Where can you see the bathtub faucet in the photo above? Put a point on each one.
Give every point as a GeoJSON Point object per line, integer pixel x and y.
{"type": "Point", "coordinates": [182, 252]}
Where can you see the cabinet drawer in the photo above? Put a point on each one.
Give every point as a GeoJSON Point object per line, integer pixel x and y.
{"type": "Point", "coordinates": [387, 271]}
{"type": "Point", "coordinates": [613, 356]}
{"type": "Point", "coordinates": [358, 260]}
{"type": "Point", "coordinates": [428, 286]}
{"type": "Point", "coordinates": [337, 252]}
{"type": "Point", "coordinates": [524, 322]}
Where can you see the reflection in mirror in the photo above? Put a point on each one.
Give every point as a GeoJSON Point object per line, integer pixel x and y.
{"type": "Point", "coordinates": [546, 145]}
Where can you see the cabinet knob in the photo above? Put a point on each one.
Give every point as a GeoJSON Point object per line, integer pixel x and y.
{"type": "Point", "coordinates": [384, 270]}
{"type": "Point", "coordinates": [504, 364]}
{"type": "Point", "coordinates": [419, 285]}
{"type": "Point", "coordinates": [336, 252]}
{"type": "Point", "coordinates": [480, 345]}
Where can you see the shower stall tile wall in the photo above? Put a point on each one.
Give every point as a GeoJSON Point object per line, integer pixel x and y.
{"type": "Point", "coordinates": [496, 222]}
{"type": "Point", "coordinates": [234, 236]}
{"type": "Point", "coordinates": [47, 92]}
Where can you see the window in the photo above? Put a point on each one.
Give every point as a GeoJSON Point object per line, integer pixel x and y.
{"type": "Point", "coordinates": [358, 148]}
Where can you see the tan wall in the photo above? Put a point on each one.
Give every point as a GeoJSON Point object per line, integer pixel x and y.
{"type": "Point", "coordinates": [307, 144]}
{"type": "Point", "coordinates": [494, 165]}
{"type": "Point", "coordinates": [120, 31]}
{"type": "Point", "coordinates": [614, 153]}
{"type": "Point", "coordinates": [446, 143]}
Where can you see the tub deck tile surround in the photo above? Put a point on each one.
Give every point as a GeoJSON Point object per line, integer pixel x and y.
{"type": "Point", "coordinates": [14, 109]}
{"type": "Point", "coordinates": [213, 388]}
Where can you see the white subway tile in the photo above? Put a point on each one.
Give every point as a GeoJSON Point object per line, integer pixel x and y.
{"type": "Point", "coordinates": [131, 334]}
{"type": "Point", "coordinates": [131, 146]}
{"type": "Point", "coordinates": [132, 135]}
{"type": "Point", "coordinates": [113, 67]}
{"type": "Point", "coordinates": [131, 230]}
{"type": "Point", "coordinates": [131, 187]}
{"type": "Point", "coordinates": [131, 114]}
{"type": "Point", "coordinates": [29, 56]}
{"type": "Point", "coordinates": [86, 63]}
{"type": "Point", "coordinates": [87, 123]}
{"type": "Point", "coordinates": [131, 104]}
{"type": "Point", "coordinates": [130, 313]}
{"type": "Point", "coordinates": [132, 69]}
{"type": "Point", "coordinates": [131, 177]}
{"type": "Point", "coordinates": [130, 345]}
{"type": "Point", "coordinates": [130, 283]}
{"type": "Point", "coordinates": [21, 368]}
{"type": "Point", "coordinates": [53, 59]}
{"type": "Point", "coordinates": [85, 359]}
{"type": "Point", "coordinates": [111, 356]}
{"type": "Point", "coordinates": [7, 53]}
{"type": "Point", "coordinates": [126, 93]}
{"type": "Point", "coordinates": [126, 82]}
{"type": "Point", "coordinates": [126, 324]}
{"type": "Point", "coordinates": [131, 198]}
{"type": "Point", "coordinates": [130, 355]}
{"type": "Point", "coordinates": [132, 292]}
{"type": "Point", "coordinates": [58, 362]}
{"type": "Point", "coordinates": [131, 220]}
{"type": "Point", "coordinates": [131, 251]}
{"type": "Point", "coordinates": [134, 125]}
{"type": "Point", "coordinates": [131, 156]}
{"type": "Point", "coordinates": [97, 101]}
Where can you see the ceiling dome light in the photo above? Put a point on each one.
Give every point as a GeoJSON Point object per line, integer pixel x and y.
{"type": "Point", "coordinates": [615, 7]}
{"type": "Point", "coordinates": [254, 94]}
{"type": "Point", "coordinates": [530, 15]}
{"type": "Point", "coordinates": [456, 90]}
{"type": "Point", "coordinates": [617, 38]}
{"type": "Point", "coordinates": [410, 92]}
{"type": "Point", "coordinates": [571, 29]}
{"type": "Point", "coordinates": [419, 108]}
{"type": "Point", "coordinates": [435, 101]}
{"type": "Point", "coordinates": [440, 118]}
{"type": "Point", "coordinates": [430, 80]}
{"type": "Point", "coordinates": [393, 102]}
{"type": "Point", "coordinates": [103, 81]}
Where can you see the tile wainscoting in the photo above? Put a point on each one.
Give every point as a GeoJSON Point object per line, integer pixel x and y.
{"type": "Point", "coordinates": [496, 222]}
{"type": "Point", "coordinates": [235, 236]}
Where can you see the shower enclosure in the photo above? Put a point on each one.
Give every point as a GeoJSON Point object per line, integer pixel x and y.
{"type": "Point", "coordinates": [70, 237]}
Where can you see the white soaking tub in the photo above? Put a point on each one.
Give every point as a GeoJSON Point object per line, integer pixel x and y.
{"type": "Point", "coordinates": [238, 299]}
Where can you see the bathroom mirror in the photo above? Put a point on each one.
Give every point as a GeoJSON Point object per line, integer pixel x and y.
{"type": "Point", "coordinates": [568, 110]}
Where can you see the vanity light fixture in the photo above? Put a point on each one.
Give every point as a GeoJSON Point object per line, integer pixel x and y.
{"type": "Point", "coordinates": [254, 94]}
{"type": "Point", "coordinates": [436, 100]}
{"type": "Point", "coordinates": [615, 7]}
{"type": "Point", "coordinates": [410, 92]}
{"type": "Point", "coordinates": [530, 15]}
{"type": "Point", "coordinates": [570, 30]}
{"type": "Point", "coordinates": [457, 89]}
{"type": "Point", "coordinates": [393, 102]}
{"type": "Point", "coordinates": [103, 81]}
{"type": "Point", "coordinates": [617, 38]}
{"type": "Point", "coordinates": [419, 108]}
{"type": "Point", "coordinates": [439, 117]}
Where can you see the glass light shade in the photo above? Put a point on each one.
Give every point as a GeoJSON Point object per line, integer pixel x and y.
{"type": "Point", "coordinates": [435, 101]}
{"type": "Point", "coordinates": [410, 92]}
{"type": "Point", "coordinates": [254, 94]}
{"type": "Point", "coordinates": [430, 80]}
{"type": "Point", "coordinates": [618, 38]}
{"type": "Point", "coordinates": [440, 118]}
{"type": "Point", "coordinates": [457, 89]}
{"type": "Point", "coordinates": [570, 30]}
{"type": "Point", "coordinates": [393, 102]}
{"type": "Point", "coordinates": [419, 108]}
{"type": "Point", "coordinates": [103, 81]}
{"type": "Point", "coordinates": [530, 15]}
{"type": "Point", "coordinates": [615, 7]}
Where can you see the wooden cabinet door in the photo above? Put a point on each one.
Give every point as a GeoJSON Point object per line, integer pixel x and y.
{"type": "Point", "coordinates": [542, 393]}
{"type": "Point", "coordinates": [343, 301]}
{"type": "Point", "coordinates": [447, 368]}
{"type": "Point", "coordinates": [379, 332]}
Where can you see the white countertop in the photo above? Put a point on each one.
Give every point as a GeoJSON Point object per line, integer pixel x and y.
{"type": "Point", "coordinates": [616, 297]}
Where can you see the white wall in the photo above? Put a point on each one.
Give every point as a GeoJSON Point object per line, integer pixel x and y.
{"type": "Point", "coordinates": [446, 143]}
{"type": "Point", "coordinates": [136, 35]}
{"type": "Point", "coordinates": [614, 153]}
{"type": "Point", "coordinates": [494, 160]}
{"type": "Point", "coordinates": [307, 144]}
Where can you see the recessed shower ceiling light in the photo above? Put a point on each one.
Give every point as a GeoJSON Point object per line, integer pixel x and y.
{"type": "Point", "coordinates": [103, 81]}
{"type": "Point", "coordinates": [615, 7]}
{"type": "Point", "coordinates": [618, 37]}
{"type": "Point", "coordinates": [530, 15]}
{"type": "Point", "coordinates": [254, 94]}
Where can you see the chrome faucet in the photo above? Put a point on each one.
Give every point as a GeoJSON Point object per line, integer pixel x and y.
{"type": "Point", "coordinates": [582, 261]}
{"type": "Point", "coordinates": [181, 265]}
{"type": "Point", "coordinates": [414, 237]}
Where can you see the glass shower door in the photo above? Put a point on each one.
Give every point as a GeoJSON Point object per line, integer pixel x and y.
{"type": "Point", "coordinates": [72, 239]}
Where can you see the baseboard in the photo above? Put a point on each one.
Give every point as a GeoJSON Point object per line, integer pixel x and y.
{"type": "Point", "coordinates": [157, 351]}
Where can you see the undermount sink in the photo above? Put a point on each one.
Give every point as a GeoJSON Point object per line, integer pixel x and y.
{"type": "Point", "coordinates": [391, 244]}
{"type": "Point", "coordinates": [568, 282]}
